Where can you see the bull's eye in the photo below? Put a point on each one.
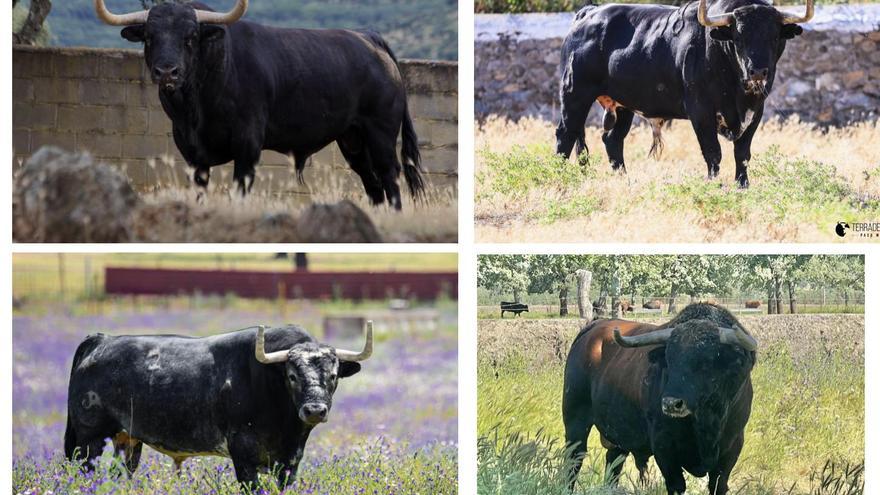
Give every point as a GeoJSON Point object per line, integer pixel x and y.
{"type": "Point", "coordinates": [333, 377]}
{"type": "Point", "coordinates": [292, 377]}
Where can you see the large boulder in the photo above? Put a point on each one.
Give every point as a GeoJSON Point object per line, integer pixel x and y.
{"type": "Point", "coordinates": [67, 197]}
{"type": "Point", "coordinates": [336, 222]}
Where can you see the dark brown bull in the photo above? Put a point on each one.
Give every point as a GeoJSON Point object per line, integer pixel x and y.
{"type": "Point", "coordinates": [655, 304]}
{"type": "Point", "coordinates": [753, 304]}
{"type": "Point", "coordinates": [680, 392]}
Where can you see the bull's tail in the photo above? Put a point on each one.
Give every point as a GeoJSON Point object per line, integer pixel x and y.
{"type": "Point", "coordinates": [87, 346]}
{"type": "Point", "coordinates": [410, 156]}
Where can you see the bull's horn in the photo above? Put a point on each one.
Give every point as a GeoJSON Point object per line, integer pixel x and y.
{"type": "Point", "coordinates": [793, 19]}
{"type": "Point", "coordinates": [344, 355]}
{"type": "Point", "coordinates": [233, 15]}
{"type": "Point", "coordinates": [105, 15]}
{"type": "Point", "coordinates": [714, 20]}
{"type": "Point", "coordinates": [651, 338]}
{"type": "Point", "coordinates": [738, 336]}
{"type": "Point", "coordinates": [260, 349]}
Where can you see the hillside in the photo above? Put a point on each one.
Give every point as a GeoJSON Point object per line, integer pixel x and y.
{"type": "Point", "coordinates": [413, 28]}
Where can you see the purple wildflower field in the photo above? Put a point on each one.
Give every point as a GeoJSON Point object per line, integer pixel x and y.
{"type": "Point", "coordinates": [393, 427]}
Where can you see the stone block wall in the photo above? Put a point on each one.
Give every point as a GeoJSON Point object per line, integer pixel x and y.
{"type": "Point", "coordinates": [830, 74]}
{"type": "Point", "coordinates": [102, 101]}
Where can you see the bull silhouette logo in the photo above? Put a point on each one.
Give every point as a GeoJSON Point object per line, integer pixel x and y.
{"type": "Point", "coordinates": [841, 228]}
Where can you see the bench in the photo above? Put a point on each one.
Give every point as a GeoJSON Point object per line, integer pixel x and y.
{"type": "Point", "coordinates": [513, 307]}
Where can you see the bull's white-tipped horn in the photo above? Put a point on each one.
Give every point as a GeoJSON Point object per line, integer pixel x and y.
{"type": "Point", "coordinates": [738, 336]}
{"type": "Point", "coordinates": [795, 19]}
{"type": "Point", "coordinates": [233, 15]}
{"type": "Point", "coordinates": [712, 20]}
{"type": "Point", "coordinates": [260, 349]}
{"type": "Point", "coordinates": [652, 338]}
{"type": "Point", "coordinates": [112, 19]}
{"type": "Point", "coordinates": [344, 355]}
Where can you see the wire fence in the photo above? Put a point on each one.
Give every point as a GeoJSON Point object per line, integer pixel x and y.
{"type": "Point", "coordinates": [806, 301]}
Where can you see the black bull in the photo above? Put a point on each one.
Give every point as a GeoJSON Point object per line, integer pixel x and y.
{"type": "Point", "coordinates": [684, 398]}
{"type": "Point", "coordinates": [249, 395]}
{"type": "Point", "coordinates": [233, 88]}
{"type": "Point", "coordinates": [713, 67]}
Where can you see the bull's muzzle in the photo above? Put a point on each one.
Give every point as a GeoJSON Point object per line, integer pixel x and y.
{"type": "Point", "coordinates": [675, 407]}
{"type": "Point", "coordinates": [313, 413]}
{"type": "Point", "coordinates": [167, 77]}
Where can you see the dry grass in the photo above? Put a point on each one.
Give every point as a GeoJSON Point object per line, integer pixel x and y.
{"type": "Point", "coordinates": [608, 207]}
{"type": "Point", "coordinates": [548, 341]}
{"type": "Point", "coordinates": [173, 213]}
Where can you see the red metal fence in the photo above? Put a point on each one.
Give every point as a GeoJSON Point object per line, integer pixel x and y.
{"type": "Point", "coordinates": [300, 285]}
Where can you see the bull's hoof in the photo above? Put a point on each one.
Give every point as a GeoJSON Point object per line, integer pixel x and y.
{"type": "Point", "coordinates": [618, 167]}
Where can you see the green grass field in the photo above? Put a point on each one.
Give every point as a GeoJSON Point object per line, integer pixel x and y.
{"type": "Point", "coordinates": [803, 181]}
{"type": "Point", "coordinates": [805, 435]}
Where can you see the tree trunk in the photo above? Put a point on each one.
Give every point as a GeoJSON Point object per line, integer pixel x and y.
{"type": "Point", "coordinates": [792, 303]}
{"type": "Point", "coordinates": [515, 296]}
{"type": "Point", "coordinates": [585, 306]}
{"type": "Point", "coordinates": [777, 289]}
{"type": "Point", "coordinates": [673, 293]}
{"type": "Point", "coordinates": [563, 301]}
{"type": "Point", "coordinates": [615, 297]}
{"type": "Point", "coordinates": [771, 302]}
{"type": "Point", "coordinates": [34, 22]}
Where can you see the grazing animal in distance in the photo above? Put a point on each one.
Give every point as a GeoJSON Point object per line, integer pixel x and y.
{"type": "Point", "coordinates": [233, 88]}
{"type": "Point", "coordinates": [680, 392]}
{"type": "Point", "coordinates": [252, 395]}
{"type": "Point", "coordinates": [713, 66]}
{"type": "Point", "coordinates": [753, 304]}
{"type": "Point", "coordinates": [654, 304]}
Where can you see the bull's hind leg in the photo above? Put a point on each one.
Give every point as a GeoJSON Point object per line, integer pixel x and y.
{"type": "Point", "coordinates": [129, 449]}
{"type": "Point", "coordinates": [577, 416]}
{"type": "Point", "coordinates": [351, 144]}
{"type": "Point", "coordinates": [575, 106]}
{"type": "Point", "coordinates": [382, 144]}
{"type": "Point", "coordinates": [614, 137]}
{"type": "Point", "coordinates": [87, 449]}
{"type": "Point", "coordinates": [615, 457]}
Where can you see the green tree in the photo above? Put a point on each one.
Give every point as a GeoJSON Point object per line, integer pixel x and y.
{"type": "Point", "coordinates": [504, 273]}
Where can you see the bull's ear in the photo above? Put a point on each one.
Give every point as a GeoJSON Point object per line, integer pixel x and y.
{"type": "Point", "coordinates": [134, 33]}
{"type": "Point", "coordinates": [721, 33]}
{"type": "Point", "coordinates": [211, 32]}
{"type": "Point", "coordinates": [348, 368]}
{"type": "Point", "coordinates": [658, 356]}
{"type": "Point", "coordinates": [789, 31]}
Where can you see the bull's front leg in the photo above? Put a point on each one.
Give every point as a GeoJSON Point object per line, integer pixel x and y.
{"type": "Point", "coordinates": [244, 172]}
{"type": "Point", "coordinates": [288, 470]}
{"type": "Point", "coordinates": [707, 136]}
{"type": "Point", "coordinates": [244, 450]}
{"type": "Point", "coordinates": [201, 177]}
{"type": "Point", "coordinates": [742, 151]}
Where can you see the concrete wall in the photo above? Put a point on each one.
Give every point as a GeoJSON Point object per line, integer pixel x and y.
{"type": "Point", "coordinates": [830, 74]}
{"type": "Point", "coordinates": [102, 101]}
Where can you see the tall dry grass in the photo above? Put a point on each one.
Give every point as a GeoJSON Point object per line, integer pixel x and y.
{"type": "Point", "coordinates": [668, 200]}
{"type": "Point", "coordinates": [173, 212]}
